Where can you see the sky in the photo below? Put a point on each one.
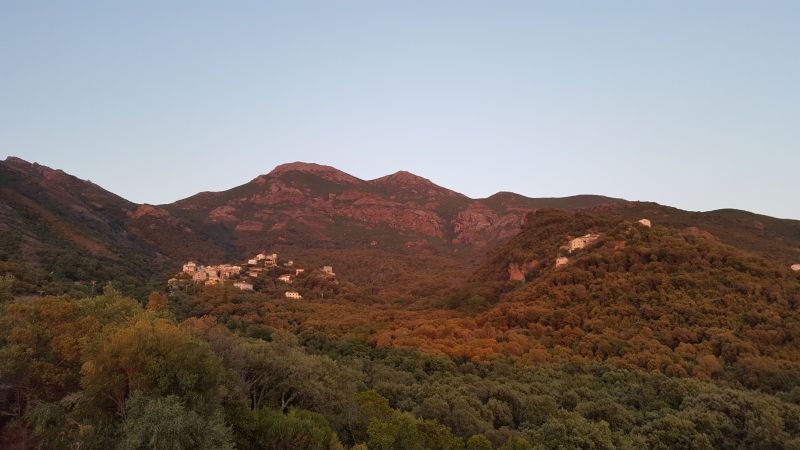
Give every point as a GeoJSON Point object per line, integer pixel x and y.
{"type": "Point", "coordinates": [693, 104]}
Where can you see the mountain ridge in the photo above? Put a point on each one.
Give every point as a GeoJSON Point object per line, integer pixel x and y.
{"type": "Point", "coordinates": [306, 208]}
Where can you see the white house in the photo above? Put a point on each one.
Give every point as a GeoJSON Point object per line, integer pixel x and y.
{"type": "Point", "coordinates": [285, 278]}
{"type": "Point", "coordinates": [645, 222]}
{"type": "Point", "coordinates": [298, 271]}
{"type": "Point", "coordinates": [294, 295]}
{"type": "Point", "coordinates": [243, 286]}
{"type": "Point", "coordinates": [328, 271]}
{"type": "Point", "coordinates": [796, 267]}
{"type": "Point", "coordinates": [562, 261]}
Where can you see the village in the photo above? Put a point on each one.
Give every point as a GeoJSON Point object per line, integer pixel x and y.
{"type": "Point", "coordinates": [245, 276]}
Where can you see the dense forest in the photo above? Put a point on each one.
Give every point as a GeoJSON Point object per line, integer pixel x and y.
{"type": "Point", "coordinates": [664, 337]}
{"type": "Point", "coordinates": [106, 372]}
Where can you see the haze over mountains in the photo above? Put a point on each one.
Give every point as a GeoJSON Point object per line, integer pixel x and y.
{"type": "Point", "coordinates": [49, 216]}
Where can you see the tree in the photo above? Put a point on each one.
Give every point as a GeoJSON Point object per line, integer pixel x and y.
{"type": "Point", "coordinates": [571, 430]}
{"type": "Point", "coordinates": [298, 429]}
{"type": "Point", "coordinates": [672, 432]}
{"type": "Point", "coordinates": [707, 366]}
{"type": "Point", "coordinates": [7, 287]}
{"type": "Point", "coordinates": [517, 443]}
{"type": "Point", "coordinates": [164, 423]}
{"type": "Point", "coordinates": [478, 442]}
{"type": "Point", "coordinates": [157, 301]}
{"type": "Point", "coordinates": [282, 374]}
{"type": "Point", "coordinates": [156, 358]}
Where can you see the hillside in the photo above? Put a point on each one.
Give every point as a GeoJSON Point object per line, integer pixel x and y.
{"type": "Point", "coordinates": [64, 228]}
{"type": "Point", "coordinates": [75, 232]}
{"type": "Point", "coordinates": [677, 301]}
{"type": "Point", "coordinates": [449, 324]}
{"type": "Point", "coordinates": [400, 233]}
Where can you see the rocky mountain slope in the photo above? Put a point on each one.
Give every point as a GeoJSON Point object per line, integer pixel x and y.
{"type": "Point", "coordinates": [320, 206]}
{"type": "Point", "coordinates": [75, 230]}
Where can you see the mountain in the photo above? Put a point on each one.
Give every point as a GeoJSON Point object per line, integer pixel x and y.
{"type": "Point", "coordinates": [71, 229]}
{"type": "Point", "coordinates": [675, 300]}
{"type": "Point", "coordinates": [319, 206]}
{"type": "Point", "coordinates": [566, 322]}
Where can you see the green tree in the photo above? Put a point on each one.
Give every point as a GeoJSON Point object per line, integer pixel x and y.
{"type": "Point", "coordinates": [7, 287]}
{"type": "Point", "coordinates": [164, 423]}
{"type": "Point", "coordinates": [517, 443]}
{"type": "Point", "coordinates": [673, 432]}
{"type": "Point", "coordinates": [296, 430]}
{"type": "Point", "coordinates": [571, 430]}
{"type": "Point", "coordinates": [479, 442]}
{"type": "Point", "coordinates": [155, 357]}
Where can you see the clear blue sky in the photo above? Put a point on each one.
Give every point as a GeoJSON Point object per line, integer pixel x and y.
{"type": "Point", "coordinates": [688, 103]}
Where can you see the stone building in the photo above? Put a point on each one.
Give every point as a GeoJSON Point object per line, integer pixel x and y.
{"type": "Point", "coordinates": [293, 294]}
{"type": "Point", "coordinates": [190, 267]}
{"type": "Point", "coordinates": [582, 242]}
{"type": "Point", "coordinates": [271, 260]}
{"type": "Point", "coordinates": [200, 276]}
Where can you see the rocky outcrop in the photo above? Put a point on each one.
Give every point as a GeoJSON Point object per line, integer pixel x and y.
{"type": "Point", "coordinates": [518, 271]}
{"type": "Point", "coordinates": [478, 224]}
{"type": "Point", "coordinates": [149, 211]}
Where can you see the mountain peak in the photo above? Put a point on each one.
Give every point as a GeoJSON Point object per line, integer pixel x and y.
{"type": "Point", "coordinates": [326, 172]}
{"type": "Point", "coordinates": [33, 169]}
{"type": "Point", "coordinates": [300, 166]}
{"type": "Point", "coordinates": [408, 181]}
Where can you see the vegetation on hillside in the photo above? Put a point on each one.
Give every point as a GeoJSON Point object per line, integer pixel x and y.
{"type": "Point", "coordinates": [104, 372]}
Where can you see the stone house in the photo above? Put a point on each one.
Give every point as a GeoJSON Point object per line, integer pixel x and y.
{"type": "Point", "coordinates": [271, 260]}
{"type": "Point", "coordinates": [328, 271]}
{"type": "Point", "coordinates": [227, 271]}
{"type": "Point", "coordinates": [582, 242]}
{"type": "Point", "coordinates": [190, 267]}
{"type": "Point", "coordinates": [201, 275]}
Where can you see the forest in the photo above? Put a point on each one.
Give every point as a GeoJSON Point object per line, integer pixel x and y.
{"type": "Point", "coordinates": [107, 372]}
{"type": "Point", "coordinates": [658, 338]}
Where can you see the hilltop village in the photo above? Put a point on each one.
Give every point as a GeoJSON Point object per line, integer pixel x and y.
{"type": "Point", "coordinates": [260, 270]}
